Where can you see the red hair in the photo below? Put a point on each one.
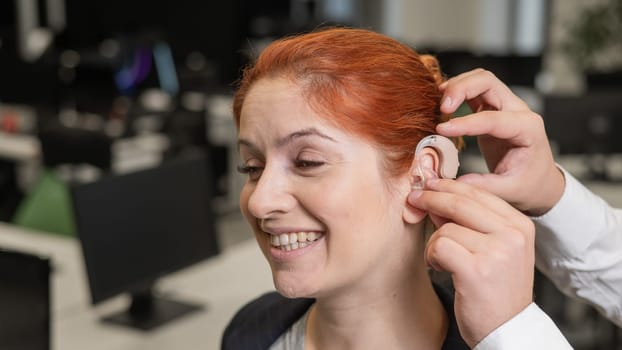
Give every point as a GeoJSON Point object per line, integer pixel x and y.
{"type": "Point", "coordinates": [365, 82]}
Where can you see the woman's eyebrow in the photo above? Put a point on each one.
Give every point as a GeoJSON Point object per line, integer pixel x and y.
{"type": "Point", "coordinates": [243, 142]}
{"type": "Point", "coordinates": [290, 138]}
{"type": "Point", "coordinates": [302, 133]}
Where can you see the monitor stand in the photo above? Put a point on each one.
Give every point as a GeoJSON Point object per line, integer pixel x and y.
{"type": "Point", "coordinates": [148, 311]}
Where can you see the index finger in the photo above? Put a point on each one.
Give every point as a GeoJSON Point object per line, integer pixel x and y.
{"type": "Point", "coordinates": [482, 85]}
{"type": "Point", "coordinates": [459, 209]}
{"type": "Point", "coordinates": [517, 127]}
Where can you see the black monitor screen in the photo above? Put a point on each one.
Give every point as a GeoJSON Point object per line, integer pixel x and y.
{"type": "Point", "coordinates": [24, 301]}
{"type": "Point", "coordinates": [137, 227]}
{"type": "Point", "coordinates": [586, 124]}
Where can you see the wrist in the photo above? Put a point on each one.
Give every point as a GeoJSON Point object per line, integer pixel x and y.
{"type": "Point", "coordinates": [552, 191]}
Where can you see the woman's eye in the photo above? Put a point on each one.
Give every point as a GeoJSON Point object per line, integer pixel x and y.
{"type": "Point", "coordinates": [308, 164]}
{"type": "Point", "coordinates": [253, 172]}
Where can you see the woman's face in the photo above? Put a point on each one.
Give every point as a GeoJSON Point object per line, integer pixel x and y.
{"type": "Point", "coordinates": [323, 212]}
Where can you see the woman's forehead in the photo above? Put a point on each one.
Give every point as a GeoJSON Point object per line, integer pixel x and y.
{"type": "Point", "coordinates": [278, 105]}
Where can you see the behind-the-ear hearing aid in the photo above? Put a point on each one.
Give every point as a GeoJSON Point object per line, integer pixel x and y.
{"type": "Point", "coordinates": [448, 159]}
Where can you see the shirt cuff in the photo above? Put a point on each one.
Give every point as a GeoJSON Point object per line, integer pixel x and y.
{"type": "Point", "coordinates": [529, 329]}
{"type": "Point", "coordinates": [560, 232]}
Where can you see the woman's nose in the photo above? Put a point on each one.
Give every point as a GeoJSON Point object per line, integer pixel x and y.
{"type": "Point", "coordinates": [272, 194]}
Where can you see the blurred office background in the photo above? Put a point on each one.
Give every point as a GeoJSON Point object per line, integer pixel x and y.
{"type": "Point", "coordinates": [92, 91]}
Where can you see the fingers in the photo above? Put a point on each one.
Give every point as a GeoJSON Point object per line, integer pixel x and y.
{"type": "Point", "coordinates": [485, 199]}
{"type": "Point", "coordinates": [445, 254]}
{"type": "Point", "coordinates": [519, 128]}
{"type": "Point", "coordinates": [511, 138]}
{"type": "Point", "coordinates": [482, 89]}
{"type": "Point", "coordinates": [487, 246]}
{"type": "Point", "coordinates": [516, 127]}
{"type": "Point", "coordinates": [458, 209]}
{"type": "Point", "coordinates": [467, 206]}
{"type": "Point", "coordinates": [470, 240]}
{"type": "Point", "coordinates": [498, 185]}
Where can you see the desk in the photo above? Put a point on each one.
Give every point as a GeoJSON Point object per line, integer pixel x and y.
{"type": "Point", "coordinates": [19, 147]}
{"type": "Point", "coordinates": [223, 284]}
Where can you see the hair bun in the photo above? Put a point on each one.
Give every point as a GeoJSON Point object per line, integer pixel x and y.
{"type": "Point", "coordinates": [431, 63]}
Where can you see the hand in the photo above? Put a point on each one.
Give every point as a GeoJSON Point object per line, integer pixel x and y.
{"type": "Point", "coordinates": [511, 137]}
{"type": "Point", "coordinates": [487, 246]}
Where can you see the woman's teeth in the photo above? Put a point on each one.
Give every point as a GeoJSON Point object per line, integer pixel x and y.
{"type": "Point", "coordinates": [294, 240]}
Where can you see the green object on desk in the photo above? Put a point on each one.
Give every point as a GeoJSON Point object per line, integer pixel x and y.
{"type": "Point", "coordinates": [47, 207]}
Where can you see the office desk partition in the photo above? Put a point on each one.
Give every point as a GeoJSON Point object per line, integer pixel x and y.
{"type": "Point", "coordinates": [222, 284]}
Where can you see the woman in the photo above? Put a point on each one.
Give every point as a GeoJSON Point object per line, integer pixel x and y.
{"type": "Point", "coordinates": [328, 123]}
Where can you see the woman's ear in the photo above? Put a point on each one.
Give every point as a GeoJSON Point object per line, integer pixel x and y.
{"type": "Point", "coordinates": [424, 166]}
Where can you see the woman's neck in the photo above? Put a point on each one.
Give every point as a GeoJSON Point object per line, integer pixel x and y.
{"type": "Point", "coordinates": [404, 313]}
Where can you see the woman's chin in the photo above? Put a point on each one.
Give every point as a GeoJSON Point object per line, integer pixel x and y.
{"type": "Point", "coordinates": [294, 289]}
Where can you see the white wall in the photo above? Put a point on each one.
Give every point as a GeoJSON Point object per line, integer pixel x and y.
{"type": "Point", "coordinates": [488, 26]}
{"type": "Point", "coordinates": [445, 23]}
{"type": "Point", "coordinates": [562, 76]}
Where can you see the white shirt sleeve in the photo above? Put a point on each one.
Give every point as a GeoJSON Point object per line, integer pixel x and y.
{"type": "Point", "coordinates": [579, 247]}
{"type": "Point", "coordinates": [530, 329]}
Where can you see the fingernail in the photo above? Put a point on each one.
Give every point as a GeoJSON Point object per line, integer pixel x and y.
{"type": "Point", "coordinates": [446, 102]}
{"type": "Point", "coordinates": [446, 126]}
{"type": "Point", "coordinates": [443, 86]}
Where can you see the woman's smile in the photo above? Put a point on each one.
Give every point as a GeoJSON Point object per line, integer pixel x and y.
{"type": "Point", "coordinates": [294, 240]}
{"type": "Point", "coordinates": [287, 248]}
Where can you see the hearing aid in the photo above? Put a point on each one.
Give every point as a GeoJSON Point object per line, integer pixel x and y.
{"type": "Point", "coordinates": [448, 160]}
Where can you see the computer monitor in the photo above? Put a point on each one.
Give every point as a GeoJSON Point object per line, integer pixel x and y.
{"type": "Point", "coordinates": [138, 227]}
{"type": "Point", "coordinates": [512, 69]}
{"type": "Point", "coordinates": [588, 126]}
{"type": "Point", "coordinates": [24, 301]}
{"type": "Point", "coordinates": [590, 123]}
